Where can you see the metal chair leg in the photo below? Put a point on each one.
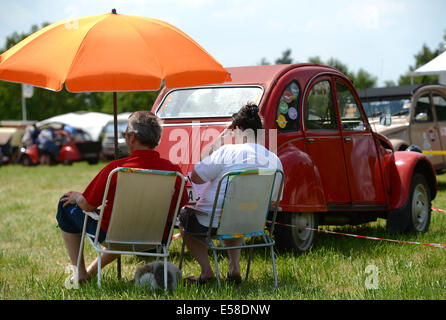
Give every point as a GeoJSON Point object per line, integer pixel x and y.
{"type": "Point", "coordinates": [99, 269]}
{"type": "Point", "coordinates": [274, 267]}
{"type": "Point", "coordinates": [217, 272]}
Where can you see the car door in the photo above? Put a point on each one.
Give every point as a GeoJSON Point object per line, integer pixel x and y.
{"type": "Point", "coordinates": [439, 103]}
{"type": "Point", "coordinates": [323, 142]}
{"type": "Point", "coordinates": [361, 156]}
{"type": "Point", "coordinates": [424, 130]}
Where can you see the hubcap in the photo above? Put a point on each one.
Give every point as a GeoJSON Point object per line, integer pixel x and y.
{"type": "Point", "coordinates": [304, 236]}
{"type": "Point", "coordinates": [420, 207]}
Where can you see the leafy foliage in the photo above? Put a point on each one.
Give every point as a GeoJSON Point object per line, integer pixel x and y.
{"type": "Point", "coordinates": [45, 103]}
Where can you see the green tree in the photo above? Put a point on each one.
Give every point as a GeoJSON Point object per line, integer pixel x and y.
{"type": "Point", "coordinates": [361, 79]}
{"type": "Point", "coordinates": [45, 103]}
{"type": "Point", "coordinates": [285, 58]}
{"type": "Point", "coordinates": [127, 101]}
{"type": "Point", "coordinates": [421, 58]}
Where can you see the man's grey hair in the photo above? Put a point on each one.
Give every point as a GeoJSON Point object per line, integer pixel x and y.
{"type": "Point", "coordinates": [147, 128]}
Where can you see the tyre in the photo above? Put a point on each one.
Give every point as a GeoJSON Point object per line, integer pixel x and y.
{"type": "Point", "coordinates": [299, 237]}
{"type": "Point", "coordinates": [93, 160]}
{"type": "Point", "coordinates": [26, 161]}
{"type": "Point", "coordinates": [419, 208]}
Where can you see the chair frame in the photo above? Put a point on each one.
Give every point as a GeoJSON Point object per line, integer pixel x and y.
{"type": "Point", "coordinates": [267, 237]}
{"type": "Point", "coordinates": [98, 217]}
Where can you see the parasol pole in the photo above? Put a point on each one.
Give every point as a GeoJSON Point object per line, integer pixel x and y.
{"type": "Point", "coordinates": [115, 128]}
{"type": "Point", "coordinates": [115, 123]}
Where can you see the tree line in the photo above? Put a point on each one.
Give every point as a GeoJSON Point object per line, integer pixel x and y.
{"type": "Point", "coordinates": [362, 78]}
{"type": "Point", "coordinates": [44, 103]}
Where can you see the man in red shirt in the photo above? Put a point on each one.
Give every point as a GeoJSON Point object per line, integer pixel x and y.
{"type": "Point", "coordinates": [142, 136]}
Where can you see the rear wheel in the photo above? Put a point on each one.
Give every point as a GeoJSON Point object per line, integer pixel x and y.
{"type": "Point", "coordinates": [26, 160]}
{"type": "Point", "coordinates": [298, 235]}
{"type": "Point", "coordinates": [419, 205]}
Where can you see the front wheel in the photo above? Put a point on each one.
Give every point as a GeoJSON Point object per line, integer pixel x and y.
{"type": "Point", "coordinates": [299, 233]}
{"type": "Point", "coordinates": [419, 205]}
{"type": "Point", "coordinates": [93, 160]}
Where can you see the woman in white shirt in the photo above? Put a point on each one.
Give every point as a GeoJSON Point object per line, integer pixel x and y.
{"type": "Point", "coordinates": [245, 154]}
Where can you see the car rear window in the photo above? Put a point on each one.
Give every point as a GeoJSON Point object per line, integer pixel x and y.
{"type": "Point", "coordinates": [207, 101]}
{"type": "Point", "coordinates": [395, 107]}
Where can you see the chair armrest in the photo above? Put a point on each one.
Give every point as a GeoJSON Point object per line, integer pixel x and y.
{"type": "Point", "coordinates": [92, 215]}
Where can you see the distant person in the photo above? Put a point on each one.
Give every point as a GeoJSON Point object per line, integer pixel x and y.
{"type": "Point", "coordinates": [47, 146]}
{"type": "Point", "coordinates": [69, 129]}
{"type": "Point", "coordinates": [141, 136]}
{"type": "Point", "coordinates": [243, 155]}
{"type": "Point", "coordinates": [30, 136]}
{"type": "Point", "coordinates": [26, 139]}
{"type": "Point", "coordinates": [35, 134]}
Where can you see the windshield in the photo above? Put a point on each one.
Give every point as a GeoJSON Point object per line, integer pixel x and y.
{"type": "Point", "coordinates": [80, 136]}
{"type": "Point", "coordinates": [395, 107]}
{"type": "Point", "coordinates": [207, 102]}
{"type": "Point", "coordinates": [121, 127]}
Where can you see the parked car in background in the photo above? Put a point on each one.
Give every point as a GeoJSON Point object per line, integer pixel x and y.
{"type": "Point", "coordinates": [409, 115]}
{"type": "Point", "coordinates": [10, 141]}
{"type": "Point", "coordinates": [337, 169]}
{"type": "Point", "coordinates": [72, 147]}
{"type": "Point", "coordinates": [108, 137]}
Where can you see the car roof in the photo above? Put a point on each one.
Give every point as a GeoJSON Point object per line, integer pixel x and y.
{"type": "Point", "coordinates": [391, 92]}
{"type": "Point", "coordinates": [264, 74]}
{"type": "Point", "coordinates": [398, 91]}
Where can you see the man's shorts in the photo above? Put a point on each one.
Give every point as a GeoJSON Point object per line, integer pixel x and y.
{"type": "Point", "coordinates": [190, 223]}
{"type": "Point", "coordinates": [71, 220]}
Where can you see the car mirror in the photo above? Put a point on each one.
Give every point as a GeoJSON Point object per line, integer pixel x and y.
{"type": "Point", "coordinates": [421, 117]}
{"type": "Point", "coordinates": [385, 120]}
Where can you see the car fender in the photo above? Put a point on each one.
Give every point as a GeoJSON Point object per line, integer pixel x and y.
{"type": "Point", "coordinates": [32, 152]}
{"type": "Point", "coordinates": [69, 153]}
{"type": "Point", "coordinates": [303, 191]}
{"type": "Point", "coordinates": [406, 163]}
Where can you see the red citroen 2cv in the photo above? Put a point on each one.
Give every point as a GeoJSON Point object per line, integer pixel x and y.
{"type": "Point", "coordinates": [78, 147]}
{"type": "Point", "coordinates": [337, 170]}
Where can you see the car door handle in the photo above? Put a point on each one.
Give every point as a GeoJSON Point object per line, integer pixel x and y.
{"type": "Point", "coordinates": [347, 139]}
{"type": "Point", "coordinates": [310, 140]}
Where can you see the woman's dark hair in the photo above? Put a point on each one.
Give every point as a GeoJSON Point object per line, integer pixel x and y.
{"type": "Point", "coordinates": [248, 118]}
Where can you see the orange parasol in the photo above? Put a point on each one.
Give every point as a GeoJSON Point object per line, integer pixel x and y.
{"type": "Point", "coordinates": [110, 52]}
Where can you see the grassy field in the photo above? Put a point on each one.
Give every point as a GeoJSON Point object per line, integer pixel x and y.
{"type": "Point", "coordinates": [33, 259]}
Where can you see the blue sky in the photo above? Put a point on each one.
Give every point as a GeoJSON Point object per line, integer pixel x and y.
{"type": "Point", "coordinates": [380, 36]}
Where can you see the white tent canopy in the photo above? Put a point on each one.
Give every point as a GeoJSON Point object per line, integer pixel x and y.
{"type": "Point", "coordinates": [435, 66]}
{"type": "Point", "coordinates": [91, 122]}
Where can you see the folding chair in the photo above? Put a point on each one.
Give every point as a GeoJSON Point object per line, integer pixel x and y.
{"type": "Point", "coordinates": [140, 215]}
{"type": "Point", "coordinates": [243, 213]}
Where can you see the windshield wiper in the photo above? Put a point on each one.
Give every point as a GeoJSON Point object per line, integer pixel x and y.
{"type": "Point", "coordinates": [400, 113]}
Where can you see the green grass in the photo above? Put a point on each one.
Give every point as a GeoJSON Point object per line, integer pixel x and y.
{"type": "Point", "coordinates": [33, 258]}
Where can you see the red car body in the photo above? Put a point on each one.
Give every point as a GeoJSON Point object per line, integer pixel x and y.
{"type": "Point", "coordinates": [70, 151]}
{"type": "Point", "coordinates": [332, 176]}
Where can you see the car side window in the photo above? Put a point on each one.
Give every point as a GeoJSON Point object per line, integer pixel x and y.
{"type": "Point", "coordinates": [351, 116]}
{"type": "Point", "coordinates": [319, 109]}
{"type": "Point", "coordinates": [423, 111]}
{"type": "Point", "coordinates": [440, 106]}
{"type": "Point", "coordinates": [287, 110]}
